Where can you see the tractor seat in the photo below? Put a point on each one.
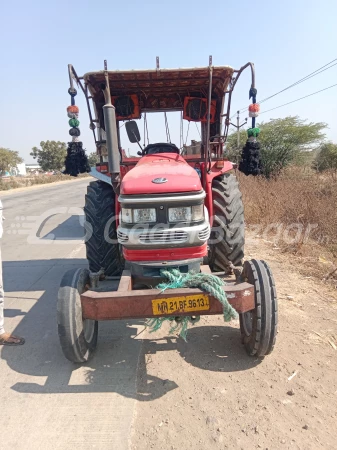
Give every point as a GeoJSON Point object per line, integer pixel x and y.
{"type": "Point", "coordinates": [152, 149]}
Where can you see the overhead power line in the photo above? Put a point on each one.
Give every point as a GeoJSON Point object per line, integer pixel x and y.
{"type": "Point", "coordinates": [309, 95]}
{"type": "Point", "coordinates": [313, 74]}
{"type": "Point", "coordinates": [307, 77]}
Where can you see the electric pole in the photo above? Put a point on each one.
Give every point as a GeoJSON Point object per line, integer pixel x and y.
{"type": "Point", "coordinates": [238, 126]}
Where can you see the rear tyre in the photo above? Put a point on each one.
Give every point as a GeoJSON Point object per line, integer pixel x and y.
{"type": "Point", "coordinates": [78, 336]}
{"type": "Point", "coordinates": [228, 230]}
{"type": "Point", "coordinates": [103, 250]}
{"type": "Point", "coordinates": [259, 326]}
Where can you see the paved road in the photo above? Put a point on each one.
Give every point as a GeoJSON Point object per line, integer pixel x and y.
{"type": "Point", "coordinates": [46, 401]}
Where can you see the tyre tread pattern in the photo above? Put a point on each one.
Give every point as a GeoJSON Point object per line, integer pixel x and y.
{"type": "Point", "coordinates": [99, 212]}
{"type": "Point", "coordinates": [262, 340]}
{"type": "Point", "coordinates": [69, 317]}
{"type": "Point", "coordinates": [228, 214]}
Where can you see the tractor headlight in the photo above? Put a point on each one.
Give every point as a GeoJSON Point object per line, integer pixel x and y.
{"type": "Point", "coordinates": [186, 213]}
{"type": "Point", "coordinates": [144, 215]}
{"type": "Point", "coordinates": [141, 215]}
{"type": "Point", "coordinates": [180, 214]}
{"type": "Point", "coordinates": [197, 213]}
{"type": "Point", "coordinates": [126, 215]}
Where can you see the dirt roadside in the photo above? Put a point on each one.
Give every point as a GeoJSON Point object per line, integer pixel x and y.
{"type": "Point", "coordinates": [207, 393]}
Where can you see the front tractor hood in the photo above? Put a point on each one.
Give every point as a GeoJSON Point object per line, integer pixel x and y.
{"type": "Point", "coordinates": [159, 174]}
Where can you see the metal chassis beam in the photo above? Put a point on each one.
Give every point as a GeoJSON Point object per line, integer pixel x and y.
{"type": "Point", "coordinates": [126, 303]}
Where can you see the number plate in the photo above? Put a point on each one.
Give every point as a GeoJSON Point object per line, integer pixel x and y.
{"type": "Point", "coordinates": [188, 303]}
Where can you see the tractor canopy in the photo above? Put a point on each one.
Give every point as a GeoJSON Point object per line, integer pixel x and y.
{"type": "Point", "coordinates": [202, 95]}
{"type": "Point", "coordinates": [136, 91]}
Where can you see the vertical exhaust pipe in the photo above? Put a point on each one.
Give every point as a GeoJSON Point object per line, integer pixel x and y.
{"type": "Point", "coordinates": [110, 124]}
{"type": "Point", "coordinates": [111, 138]}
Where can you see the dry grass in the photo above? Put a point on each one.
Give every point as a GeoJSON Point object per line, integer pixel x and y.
{"type": "Point", "coordinates": [19, 182]}
{"type": "Point", "coordinates": [303, 208]}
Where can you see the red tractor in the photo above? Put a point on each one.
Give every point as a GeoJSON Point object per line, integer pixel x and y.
{"type": "Point", "coordinates": [171, 208]}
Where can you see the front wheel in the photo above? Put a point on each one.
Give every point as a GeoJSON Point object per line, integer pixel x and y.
{"type": "Point", "coordinates": [78, 336]}
{"type": "Point", "coordinates": [259, 326]}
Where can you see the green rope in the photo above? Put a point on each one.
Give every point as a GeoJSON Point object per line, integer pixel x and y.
{"type": "Point", "coordinates": [180, 325]}
{"type": "Point", "coordinates": [211, 284]}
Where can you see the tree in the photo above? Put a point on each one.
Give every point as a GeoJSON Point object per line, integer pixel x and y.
{"type": "Point", "coordinates": [51, 155]}
{"type": "Point", "coordinates": [93, 159]}
{"type": "Point", "coordinates": [326, 158]}
{"type": "Point", "coordinates": [283, 141]}
{"type": "Point", "coordinates": [9, 159]}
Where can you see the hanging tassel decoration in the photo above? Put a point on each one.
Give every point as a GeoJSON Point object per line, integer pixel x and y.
{"type": "Point", "coordinates": [251, 163]}
{"type": "Point", "coordinates": [76, 161]}
{"type": "Point", "coordinates": [253, 132]}
{"type": "Point", "coordinates": [74, 122]}
{"type": "Point", "coordinates": [251, 158]}
{"type": "Point", "coordinates": [254, 110]}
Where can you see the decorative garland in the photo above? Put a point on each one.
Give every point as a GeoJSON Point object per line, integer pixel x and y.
{"type": "Point", "coordinates": [254, 110]}
{"type": "Point", "coordinates": [253, 132]}
{"type": "Point", "coordinates": [76, 161]}
{"type": "Point", "coordinates": [251, 163]}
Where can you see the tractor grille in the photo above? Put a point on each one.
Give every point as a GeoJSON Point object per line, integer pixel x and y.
{"type": "Point", "coordinates": [163, 237]}
{"type": "Point", "coordinates": [122, 237]}
{"type": "Point", "coordinates": [204, 234]}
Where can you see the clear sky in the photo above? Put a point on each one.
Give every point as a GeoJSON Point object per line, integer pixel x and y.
{"type": "Point", "coordinates": [285, 39]}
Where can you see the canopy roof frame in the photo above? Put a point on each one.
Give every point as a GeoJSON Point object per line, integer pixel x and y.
{"type": "Point", "coordinates": [161, 89]}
